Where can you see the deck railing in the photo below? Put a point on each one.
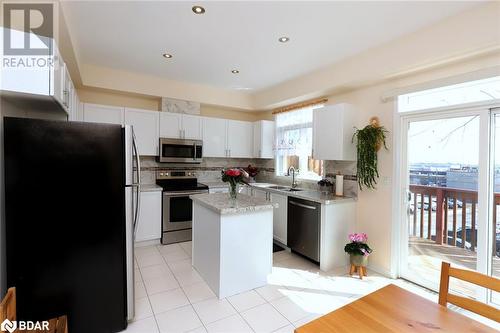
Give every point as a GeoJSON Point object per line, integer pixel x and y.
{"type": "Point", "coordinates": [447, 215]}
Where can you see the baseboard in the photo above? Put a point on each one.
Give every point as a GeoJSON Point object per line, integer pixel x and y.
{"type": "Point", "coordinates": [147, 243]}
{"type": "Point", "coordinates": [381, 271]}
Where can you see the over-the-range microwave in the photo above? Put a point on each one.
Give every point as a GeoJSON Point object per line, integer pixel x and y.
{"type": "Point", "coordinates": [180, 151]}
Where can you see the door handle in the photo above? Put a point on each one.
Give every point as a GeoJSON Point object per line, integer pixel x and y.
{"type": "Point", "coordinates": [302, 205]}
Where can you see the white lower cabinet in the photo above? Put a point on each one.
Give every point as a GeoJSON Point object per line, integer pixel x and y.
{"type": "Point", "coordinates": [149, 224]}
{"type": "Point", "coordinates": [280, 220]}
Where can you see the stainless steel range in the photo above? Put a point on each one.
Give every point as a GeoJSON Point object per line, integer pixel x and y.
{"type": "Point", "coordinates": [177, 210]}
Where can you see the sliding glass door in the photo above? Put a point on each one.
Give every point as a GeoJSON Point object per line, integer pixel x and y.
{"type": "Point", "coordinates": [450, 175]}
{"type": "Point", "coordinates": [494, 253]}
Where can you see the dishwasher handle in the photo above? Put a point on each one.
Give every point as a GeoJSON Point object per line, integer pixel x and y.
{"type": "Point", "coordinates": [295, 203]}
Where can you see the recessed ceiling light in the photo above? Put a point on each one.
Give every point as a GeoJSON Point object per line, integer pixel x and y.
{"type": "Point", "coordinates": [283, 39]}
{"type": "Point", "coordinates": [235, 71]}
{"type": "Point", "coordinates": [198, 10]}
{"type": "Point", "coordinates": [167, 55]}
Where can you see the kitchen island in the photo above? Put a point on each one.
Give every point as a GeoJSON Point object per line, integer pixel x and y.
{"type": "Point", "coordinates": [232, 246]}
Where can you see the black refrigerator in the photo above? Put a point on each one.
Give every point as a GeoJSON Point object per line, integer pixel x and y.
{"type": "Point", "coordinates": [71, 202]}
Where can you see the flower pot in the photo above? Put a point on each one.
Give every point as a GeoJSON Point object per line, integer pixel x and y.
{"type": "Point", "coordinates": [358, 260]}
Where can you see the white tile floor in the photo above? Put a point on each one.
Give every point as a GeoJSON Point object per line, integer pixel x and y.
{"type": "Point", "coordinates": [172, 297]}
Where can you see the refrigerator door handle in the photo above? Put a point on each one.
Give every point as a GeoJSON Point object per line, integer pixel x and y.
{"type": "Point", "coordinates": [138, 184]}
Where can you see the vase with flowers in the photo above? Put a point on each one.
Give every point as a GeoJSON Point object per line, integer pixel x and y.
{"type": "Point", "coordinates": [358, 249]}
{"type": "Point", "coordinates": [233, 177]}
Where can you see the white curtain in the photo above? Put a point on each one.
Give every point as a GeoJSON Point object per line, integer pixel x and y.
{"type": "Point", "coordinates": [294, 141]}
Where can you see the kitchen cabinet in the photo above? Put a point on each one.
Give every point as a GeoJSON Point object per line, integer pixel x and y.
{"type": "Point", "coordinates": [180, 126]}
{"type": "Point", "coordinates": [146, 127]}
{"type": "Point", "coordinates": [227, 138]}
{"type": "Point", "coordinates": [258, 193]}
{"type": "Point", "coordinates": [49, 81]}
{"type": "Point", "coordinates": [44, 80]}
{"type": "Point", "coordinates": [239, 140]}
{"type": "Point", "coordinates": [192, 127]}
{"type": "Point", "coordinates": [170, 125]}
{"type": "Point", "coordinates": [280, 217]}
{"type": "Point", "coordinates": [94, 113]}
{"type": "Point", "coordinates": [263, 139]}
{"type": "Point", "coordinates": [214, 137]}
{"type": "Point", "coordinates": [149, 223]}
{"type": "Point", "coordinates": [333, 128]}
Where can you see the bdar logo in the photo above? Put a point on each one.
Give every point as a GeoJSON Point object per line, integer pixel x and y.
{"type": "Point", "coordinates": [8, 326]}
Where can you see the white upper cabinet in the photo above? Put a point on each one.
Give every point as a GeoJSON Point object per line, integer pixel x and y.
{"type": "Point", "coordinates": [146, 128]}
{"type": "Point", "coordinates": [333, 127]}
{"type": "Point", "coordinates": [239, 139]}
{"type": "Point", "coordinates": [192, 127]}
{"type": "Point", "coordinates": [180, 126]}
{"type": "Point", "coordinates": [170, 125]}
{"type": "Point", "coordinates": [263, 139]}
{"type": "Point", "coordinates": [103, 114]}
{"type": "Point", "coordinates": [214, 137]}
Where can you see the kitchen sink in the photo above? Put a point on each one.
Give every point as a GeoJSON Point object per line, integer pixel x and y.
{"type": "Point", "coordinates": [278, 187]}
{"type": "Point", "coordinates": [284, 188]}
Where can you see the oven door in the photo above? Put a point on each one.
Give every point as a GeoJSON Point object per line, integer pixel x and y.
{"type": "Point", "coordinates": [180, 151]}
{"type": "Point", "coordinates": [178, 210]}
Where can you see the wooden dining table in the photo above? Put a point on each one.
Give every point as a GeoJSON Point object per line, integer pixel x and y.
{"type": "Point", "coordinates": [393, 309]}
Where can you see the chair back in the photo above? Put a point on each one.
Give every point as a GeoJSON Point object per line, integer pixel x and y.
{"type": "Point", "coordinates": [8, 311]}
{"type": "Point", "coordinates": [465, 302]}
{"type": "Point", "coordinates": [8, 306]}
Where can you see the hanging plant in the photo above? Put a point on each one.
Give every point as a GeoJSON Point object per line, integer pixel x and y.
{"type": "Point", "coordinates": [369, 140]}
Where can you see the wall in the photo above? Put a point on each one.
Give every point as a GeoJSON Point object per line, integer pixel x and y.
{"type": "Point", "coordinates": [375, 207]}
{"type": "Point", "coordinates": [118, 98]}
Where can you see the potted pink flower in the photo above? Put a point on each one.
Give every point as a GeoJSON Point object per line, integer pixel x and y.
{"type": "Point", "coordinates": [358, 249]}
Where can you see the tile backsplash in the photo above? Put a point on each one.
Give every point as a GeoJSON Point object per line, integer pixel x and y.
{"type": "Point", "coordinates": [210, 168]}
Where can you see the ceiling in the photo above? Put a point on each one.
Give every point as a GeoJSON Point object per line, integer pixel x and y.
{"type": "Point", "coordinates": [133, 35]}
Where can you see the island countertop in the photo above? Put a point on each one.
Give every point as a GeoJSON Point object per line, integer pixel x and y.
{"type": "Point", "coordinates": [220, 203]}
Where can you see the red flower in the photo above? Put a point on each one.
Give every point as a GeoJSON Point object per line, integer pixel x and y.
{"type": "Point", "coordinates": [233, 172]}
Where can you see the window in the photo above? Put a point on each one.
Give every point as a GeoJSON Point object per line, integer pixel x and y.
{"type": "Point", "coordinates": [294, 144]}
{"type": "Point", "coordinates": [467, 92]}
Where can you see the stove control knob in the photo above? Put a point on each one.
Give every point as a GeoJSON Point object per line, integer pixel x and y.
{"type": "Point", "coordinates": [161, 174]}
{"type": "Point", "coordinates": [166, 174]}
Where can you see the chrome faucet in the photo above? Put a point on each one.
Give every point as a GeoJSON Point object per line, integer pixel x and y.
{"type": "Point", "coordinates": [294, 183]}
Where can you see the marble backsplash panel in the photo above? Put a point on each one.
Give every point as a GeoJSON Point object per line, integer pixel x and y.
{"type": "Point", "coordinates": [209, 170]}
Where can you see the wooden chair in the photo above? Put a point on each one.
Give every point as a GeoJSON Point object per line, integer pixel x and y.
{"type": "Point", "coordinates": [465, 302]}
{"type": "Point", "coordinates": [8, 311]}
{"type": "Point", "coordinates": [8, 306]}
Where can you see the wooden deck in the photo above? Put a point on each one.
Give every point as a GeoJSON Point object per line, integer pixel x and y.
{"type": "Point", "coordinates": [425, 256]}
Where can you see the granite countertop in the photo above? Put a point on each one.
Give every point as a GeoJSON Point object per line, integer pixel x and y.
{"type": "Point", "coordinates": [151, 188]}
{"type": "Point", "coordinates": [307, 194]}
{"type": "Point", "coordinates": [220, 203]}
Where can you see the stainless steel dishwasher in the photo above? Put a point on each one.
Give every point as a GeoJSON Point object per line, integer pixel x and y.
{"type": "Point", "coordinates": [304, 227]}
